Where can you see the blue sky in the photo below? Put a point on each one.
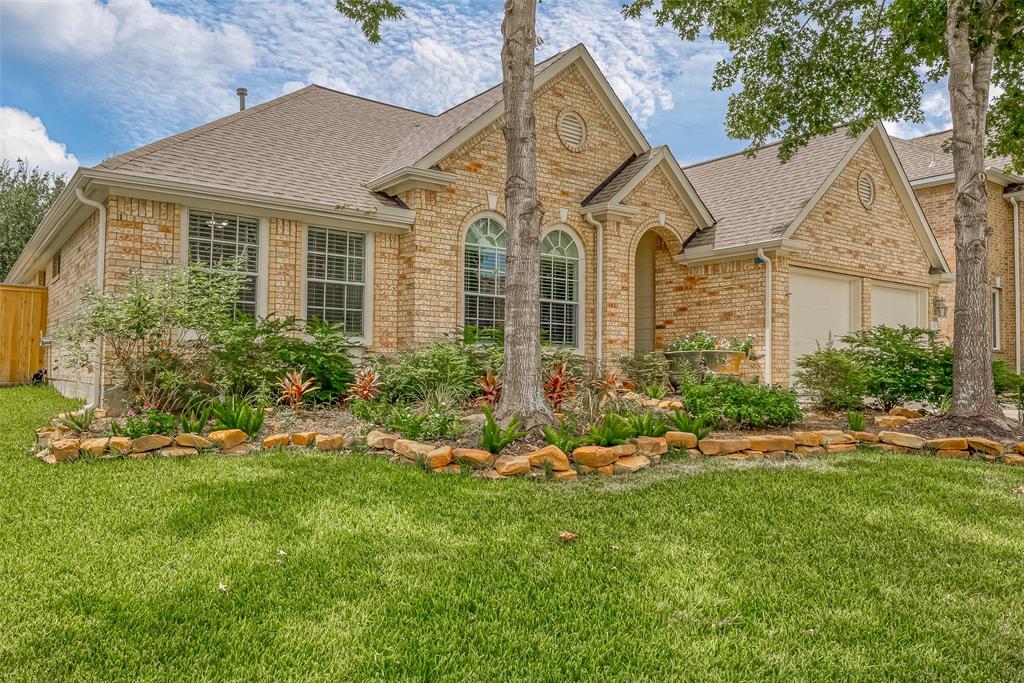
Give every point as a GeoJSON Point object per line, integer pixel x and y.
{"type": "Point", "coordinates": [83, 79]}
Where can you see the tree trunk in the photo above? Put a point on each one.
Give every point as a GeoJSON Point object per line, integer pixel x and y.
{"type": "Point", "coordinates": [970, 75]}
{"type": "Point", "coordinates": [522, 392]}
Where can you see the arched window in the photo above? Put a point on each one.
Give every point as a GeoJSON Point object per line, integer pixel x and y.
{"type": "Point", "coordinates": [560, 288]}
{"type": "Point", "coordinates": [483, 281]}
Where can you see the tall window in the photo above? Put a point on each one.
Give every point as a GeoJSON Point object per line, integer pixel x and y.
{"type": "Point", "coordinates": [560, 288]}
{"type": "Point", "coordinates": [483, 282]}
{"type": "Point", "coordinates": [214, 238]}
{"type": "Point", "coordinates": [336, 277]}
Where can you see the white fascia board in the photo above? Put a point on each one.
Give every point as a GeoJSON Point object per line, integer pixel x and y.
{"type": "Point", "coordinates": [680, 183]}
{"type": "Point", "coordinates": [991, 173]}
{"type": "Point", "coordinates": [611, 210]}
{"type": "Point", "coordinates": [703, 255]}
{"type": "Point", "coordinates": [411, 177]}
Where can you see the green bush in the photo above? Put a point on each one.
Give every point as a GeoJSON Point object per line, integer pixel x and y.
{"type": "Point", "coordinates": [235, 413]}
{"type": "Point", "coordinates": [435, 422]}
{"type": "Point", "coordinates": [903, 364]}
{"type": "Point", "coordinates": [645, 368]}
{"type": "Point", "coordinates": [745, 403]}
{"type": "Point", "coordinates": [836, 377]}
{"type": "Point", "coordinates": [493, 438]}
{"type": "Point", "coordinates": [417, 375]}
{"type": "Point", "coordinates": [143, 421]}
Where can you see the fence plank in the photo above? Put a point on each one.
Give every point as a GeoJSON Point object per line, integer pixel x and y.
{"type": "Point", "coordinates": [22, 323]}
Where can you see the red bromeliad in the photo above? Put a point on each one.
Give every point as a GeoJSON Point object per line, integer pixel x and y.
{"type": "Point", "coordinates": [559, 386]}
{"type": "Point", "coordinates": [366, 385]}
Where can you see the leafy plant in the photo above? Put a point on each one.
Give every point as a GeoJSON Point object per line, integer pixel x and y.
{"type": "Point", "coordinates": [903, 364]}
{"type": "Point", "coordinates": [294, 388]}
{"type": "Point", "coordinates": [744, 403]}
{"type": "Point", "coordinates": [611, 385]}
{"type": "Point", "coordinates": [559, 386]}
{"type": "Point", "coordinates": [611, 431]}
{"type": "Point", "coordinates": [143, 421]}
{"type": "Point", "coordinates": [645, 369]}
{"type": "Point", "coordinates": [699, 426]}
{"type": "Point", "coordinates": [493, 438]}
{"type": "Point", "coordinates": [855, 421]}
{"type": "Point", "coordinates": [414, 375]}
{"type": "Point", "coordinates": [235, 413]}
{"type": "Point", "coordinates": [366, 385]}
{"type": "Point", "coordinates": [194, 421]}
{"type": "Point", "coordinates": [837, 378]}
{"type": "Point", "coordinates": [406, 422]}
{"type": "Point", "coordinates": [698, 341]}
{"type": "Point", "coordinates": [588, 407]}
{"type": "Point", "coordinates": [78, 423]}
{"type": "Point", "coordinates": [564, 436]}
{"type": "Point", "coordinates": [647, 424]}
{"type": "Point", "coordinates": [490, 390]}
{"type": "Point", "coordinates": [744, 345]}
{"type": "Point", "coordinates": [655, 390]}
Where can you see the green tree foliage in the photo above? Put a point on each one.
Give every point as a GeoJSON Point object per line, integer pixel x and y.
{"type": "Point", "coordinates": [26, 194]}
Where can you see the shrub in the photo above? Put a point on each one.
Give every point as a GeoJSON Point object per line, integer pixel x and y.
{"type": "Point", "coordinates": [903, 364]}
{"type": "Point", "coordinates": [77, 424]}
{"type": "Point", "coordinates": [855, 421]}
{"type": "Point", "coordinates": [436, 422]}
{"type": "Point", "coordinates": [325, 354]}
{"type": "Point", "coordinates": [415, 375]}
{"type": "Point", "coordinates": [698, 426]}
{"type": "Point", "coordinates": [646, 424]}
{"type": "Point", "coordinates": [645, 368]}
{"type": "Point", "coordinates": [235, 413]}
{"type": "Point", "coordinates": [836, 377]}
{"type": "Point", "coordinates": [143, 421]}
{"type": "Point", "coordinates": [493, 438]}
{"type": "Point", "coordinates": [564, 436]}
{"type": "Point", "coordinates": [744, 403]}
{"type": "Point", "coordinates": [611, 431]}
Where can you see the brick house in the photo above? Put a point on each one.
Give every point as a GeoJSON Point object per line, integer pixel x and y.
{"type": "Point", "coordinates": [930, 169]}
{"type": "Point", "coordinates": [390, 221]}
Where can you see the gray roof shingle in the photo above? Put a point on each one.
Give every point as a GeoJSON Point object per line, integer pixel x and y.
{"type": "Point", "coordinates": [618, 179]}
{"type": "Point", "coordinates": [754, 199]}
{"type": "Point", "coordinates": [924, 157]}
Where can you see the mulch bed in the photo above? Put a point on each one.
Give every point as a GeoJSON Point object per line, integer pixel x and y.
{"type": "Point", "coordinates": [938, 426]}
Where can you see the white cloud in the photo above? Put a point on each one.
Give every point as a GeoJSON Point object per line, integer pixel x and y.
{"type": "Point", "coordinates": [155, 71]}
{"type": "Point", "coordinates": [23, 136]}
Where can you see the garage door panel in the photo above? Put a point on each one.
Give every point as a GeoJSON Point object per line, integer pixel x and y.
{"type": "Point", "coordinates": [821, 308]}
{"type": "Point", "coordinates": [895, 306]}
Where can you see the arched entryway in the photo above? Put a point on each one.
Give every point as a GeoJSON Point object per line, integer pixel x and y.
{"type": "Point", "coordinates": [644, 292]}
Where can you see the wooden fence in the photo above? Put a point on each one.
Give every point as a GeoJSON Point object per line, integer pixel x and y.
{"type": "Point", "coordinates": [22, 324]}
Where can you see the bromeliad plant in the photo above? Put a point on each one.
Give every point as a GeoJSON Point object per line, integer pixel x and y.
{"type": "Point", "coordinates": [559, 386]}
{"type": "Point", "coordinates": [646, 424]}
{"type": "Point", "coordinates": [294, 388]}
{"type": "Point", "coordinates": [564, 436]}
{"type": "Point", "coordinates": [366, 385]}
{"type": "Point", "coordinates": [699, 426]}
{"type": "Point", "coordinates": [490, 390]}
{"type": "Point", "coordinates": [613, 430]}
{"type": "Point", "coordinates": [494, 439]}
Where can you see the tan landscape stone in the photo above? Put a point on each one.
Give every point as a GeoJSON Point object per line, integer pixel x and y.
{"type": "Point", "coordinates": [902, 439]}
{"type": "Point", "coordinates": [473, 457]}
{"type": "Point", "coordinates": [831, 437]}
{"type": "Point", "coordinates": [681, 439]}
{"type": "Point", "coordinates": [900, 411]}
{"type": "Point", "coordinates": [565, 475]}
{"type": "Point", "coordinates": [151, 442]}
{"type": "Point", "coordinates": [178, 451]}
{"type": "Point", "coordinates": [772, 442]}
{"type": "Point", "coordinates": [439, 457]}
{"type": "Point", "coordinates": [841, 447]}
{"type": "Point", "coordinates": [864, 437]}
{"type": "Point", "coordinates": [49, 458]}
{"type": "Point", "coordinates": [64, 449]}
{"type": "Point", "coordinates": [1012, 459]}
{"type": "Point", "coordinates": [953, 453]}
{"type": "Point", "coordinates": [277, 440]}
{"type": "Point", "coordinates": [451, 468]}
{"type": "Point", "coordinates": [807, 438]}
{"type": "Point", "coordinates": [329, 442]}
{"type": "Point", "coordinates": [511, 465]}
{"type": "Point", "coordinates": [630, 463]}
{"type": "Point", "coordinates": [624, 449]}
{"type": "Point", "coordinates": [413, 450]}
{"type": "Point", "coordinates": [987, 446]}
{"type": "Point", "coordinates": [193, 441]}
{"type": "Point", "coordinates": [95, 446]}
{"type": "Point", "coordinates": [749, 454]}
{"type": "Point", "coordinates": [381, 440]}
{"type": "Point", "coordinates": [950, 444]}
{"type": "Point", "coordinates": [650, 445]}
{"type": "Point", "coordinates": [890, 448]}
{"type": "Point", "coordinates": [723, 446]}
{"type": "Point", "coordinates": [228, 438]}
{"type": "Point", "coordinates": [604, 470]}
{"type": "Point", "coordinates": [777, 455]}
{"type": "Point", "coordinates": [119, 444]}
{"type": "Point", "coordinates": [891, 420]}
{"type": "Point", "coordinates": [301, 438]}
{"type": "Point", "coordinates": [552, 454]}
{"type": "Point", "coordinates": [809, 450]}
{"type": "Point", "coordinates": [594, 456]}
{"type": "Point", "coordinates": [45, 436]}
{"type": "Point", "coordinates": [241, 449]}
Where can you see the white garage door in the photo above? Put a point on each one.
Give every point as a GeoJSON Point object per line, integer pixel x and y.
{"type": "Point", "coordinates": [895, 306]}
{"type": "Point", "coordinates": [820, 308]}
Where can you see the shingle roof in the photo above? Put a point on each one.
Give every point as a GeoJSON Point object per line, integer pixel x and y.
{"type": "Point", "coordinates": [618, 178]}
{"type": "Point", "coordinates": [924, 157]}
{"type": "Point", "coordinates": [754, 199]}
{"type": "Point", "coordinates": [315, 145]}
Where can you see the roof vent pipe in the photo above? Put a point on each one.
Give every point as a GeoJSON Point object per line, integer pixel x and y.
{"type": "Point", "coordinates": [241, 92]}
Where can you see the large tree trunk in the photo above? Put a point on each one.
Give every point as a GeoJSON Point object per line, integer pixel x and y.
{"type": "Point", "coordinates": [522, 393]}
{"type": "Point", "coordinates": [970, 74]}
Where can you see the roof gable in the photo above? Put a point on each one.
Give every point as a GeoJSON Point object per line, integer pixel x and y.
{"type": "Point", "coordinates": [926, 160]}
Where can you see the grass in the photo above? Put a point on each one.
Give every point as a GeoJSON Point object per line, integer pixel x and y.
{"type": "Point", "coordinates": [302, 566]}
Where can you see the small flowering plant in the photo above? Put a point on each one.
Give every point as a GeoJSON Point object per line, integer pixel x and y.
{"type": "Point", "coordinates": [705, 341]}
{"type": "Point", "coordinates": [142, 420]}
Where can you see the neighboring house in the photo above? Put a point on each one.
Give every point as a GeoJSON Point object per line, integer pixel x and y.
{"type": "Point", "coordinates": [930, 168]}
{"type": "Point", "coordinates": [391, 222]}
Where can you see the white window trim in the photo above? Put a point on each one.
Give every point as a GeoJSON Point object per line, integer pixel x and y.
{"type": "Point", "coordinates": [366, 338]}
{"type": "Point", "coordinates": [493, 215]}
{"type": "Point", "coordinates": [997, 318]}
{"type": "Point", "coordinates": [262, 253]}
{"type": "Point", "coordinates": [581, 274]}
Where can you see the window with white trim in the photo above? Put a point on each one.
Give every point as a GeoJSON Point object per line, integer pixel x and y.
{"type": "Point", "coordinates": [560, 288]}
{"type": "Point", "coordinates": [216, 238]}
{"type": "Point", "coordinates": [336, 277]}
{"type": "Point", "coordinates": [483, 277]}
{"type": "Point", "coordinates": [997, 315]}
{"type": "Point", "coordinates": [55, 265]}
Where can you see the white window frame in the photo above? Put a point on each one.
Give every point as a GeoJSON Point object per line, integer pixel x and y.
{"type": "Point", "coordinates": [492, 215]}
{"type": "Point", "coordinates": [581, 270]}
{"type": "Point", "coordinates": [366, 337]}
{"type": "Point", "coordinates": [262, 250]}
{"type": "Point", "coordinates": [997, 315]}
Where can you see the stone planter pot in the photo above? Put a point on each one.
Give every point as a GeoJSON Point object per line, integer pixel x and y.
{"type": "Point", "coordinates": [700, 363]}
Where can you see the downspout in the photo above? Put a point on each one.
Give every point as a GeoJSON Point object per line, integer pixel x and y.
{"type": "Point", "coordinates": [599, 299]}
{"type": "Point", "coordinates": [767, 316]}
{"type": "Point", "coordinates": [1016, 279]}
{"type": "Point", "coordinates": [101, 253]}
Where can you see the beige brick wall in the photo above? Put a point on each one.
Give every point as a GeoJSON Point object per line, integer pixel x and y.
{"type": "Point", "coordinates": [937, 202]}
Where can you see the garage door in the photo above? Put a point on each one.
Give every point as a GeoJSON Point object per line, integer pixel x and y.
{"type": "Point", "coordinates": [894, 306]}
{"type": "Point", "coordinates": [820, 307]}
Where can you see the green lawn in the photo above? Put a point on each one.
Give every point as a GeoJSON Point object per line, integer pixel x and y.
{"type": "Point", "coordinates": [859, 567]}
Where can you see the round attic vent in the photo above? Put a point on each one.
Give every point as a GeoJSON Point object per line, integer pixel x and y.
{"type": "Point", "coordinates": [572, 131]}
{"type": "Point", "coordinates": [866, 190]}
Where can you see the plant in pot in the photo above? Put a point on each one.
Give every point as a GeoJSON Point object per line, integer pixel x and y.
{"type": "Point", "coordinates": [702, 353]}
